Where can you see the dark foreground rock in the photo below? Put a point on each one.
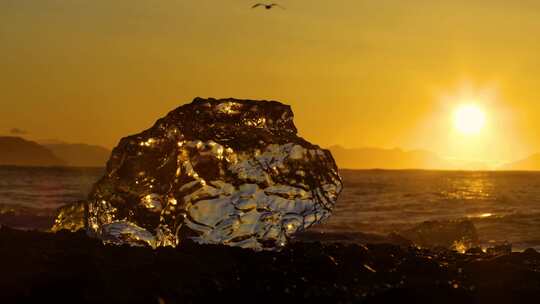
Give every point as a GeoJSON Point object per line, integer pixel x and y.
{"type": "Point", "coordinates": [70, 267]}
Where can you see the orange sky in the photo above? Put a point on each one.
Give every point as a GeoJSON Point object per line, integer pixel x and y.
{"type": "Point", "coordinates": [385, 73]}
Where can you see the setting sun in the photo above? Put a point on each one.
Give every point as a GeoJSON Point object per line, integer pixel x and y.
{"type": "Point", "coordinates": [469, 119]}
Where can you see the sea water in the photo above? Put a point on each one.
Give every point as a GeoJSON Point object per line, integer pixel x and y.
{"type": "Point", "coordinates": [504, 206]}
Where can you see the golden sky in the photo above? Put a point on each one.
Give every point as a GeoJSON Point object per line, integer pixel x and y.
{"type": "Point", "coordinates": [384, 73]}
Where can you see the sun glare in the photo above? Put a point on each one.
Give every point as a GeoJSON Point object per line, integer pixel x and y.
{"type": "Point", "coordinates": [469, 119]}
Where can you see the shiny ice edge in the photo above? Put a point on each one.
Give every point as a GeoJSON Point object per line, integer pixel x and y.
{"type": "Point", "coordinates": [235, 173]}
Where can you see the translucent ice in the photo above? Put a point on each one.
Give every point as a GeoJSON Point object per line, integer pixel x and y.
{"type": "Point", "coordinates": [70, 217]}
{"type": "Point", "coordinates": [223, 171]}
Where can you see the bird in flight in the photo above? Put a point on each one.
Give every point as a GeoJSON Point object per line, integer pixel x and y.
{"type": "Point", "coordinates": [267, 6]}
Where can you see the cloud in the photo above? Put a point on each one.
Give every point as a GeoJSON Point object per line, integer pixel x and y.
{"type": "Point", "coordinates": [17, 131]}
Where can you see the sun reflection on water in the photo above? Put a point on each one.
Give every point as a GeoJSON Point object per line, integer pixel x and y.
{"type": "Point", "coordinates": [469, 188]}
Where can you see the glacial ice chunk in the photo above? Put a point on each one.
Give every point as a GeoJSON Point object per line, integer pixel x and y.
{"type": "Point", "coordinates": [70, 217]}
{"type": "Point", "coordinates": [457, 235]}
{"type": "Point", "coordinates": [225, 171]}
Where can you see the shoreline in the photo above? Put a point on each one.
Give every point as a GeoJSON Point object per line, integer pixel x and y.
{"type": "Point", "coordinates": [71, 267]}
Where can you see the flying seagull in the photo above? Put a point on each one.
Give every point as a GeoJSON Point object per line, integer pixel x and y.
{"type": "Point", "coordinates": [267, 6]}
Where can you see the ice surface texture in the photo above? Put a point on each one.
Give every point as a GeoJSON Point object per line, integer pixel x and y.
{"type": "Point", "coordinates": [70, 217]}
{"type": "Point", "coordinates": [225, 171]}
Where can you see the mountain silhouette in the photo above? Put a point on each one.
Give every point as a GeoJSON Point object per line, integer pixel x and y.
{"type": "Point", "coordinates": [377, 158]}
{"type": "Point", "coordinates": [20, 152]}
{"type": "Point", "coordinates": [531, 163]}
{"type": "Point", "coordinates": [79, 155]}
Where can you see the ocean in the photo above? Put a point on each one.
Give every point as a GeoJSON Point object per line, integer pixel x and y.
{"type": "Point", "coordinates": [504, 206]}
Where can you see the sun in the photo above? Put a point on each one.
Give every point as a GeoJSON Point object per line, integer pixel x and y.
{"type": "Point", "coordinates": [469, 119]}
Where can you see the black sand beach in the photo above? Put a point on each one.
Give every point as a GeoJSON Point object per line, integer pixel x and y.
{"type": "Point", "coordinates": [71, 267]}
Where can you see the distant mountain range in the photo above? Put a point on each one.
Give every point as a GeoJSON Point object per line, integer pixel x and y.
{"type": "Point", "coordinates": [391, 159]}
{"type": "Point", "coordinates": [376, 158]}
{"type": "Point", "coordinates": [531, 163]}
{"type": "Point", "coordinates": [80, 155]}
{"type": "Point", "coordinates": [21, 152]}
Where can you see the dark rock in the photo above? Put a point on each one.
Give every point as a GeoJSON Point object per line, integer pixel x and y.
{"type": "Point", "coordinates": [500, 249]}
{"type": "Point", "coordinates": [475, 251]}
{"type": "Point", "coordinates": [223, 171]}
{"type": "Point", "coordinates": [352, 237]}
{"type": "Point", "coordinates": [530, 252]}
{"type": "Point", "coordinates": [68, 267]}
